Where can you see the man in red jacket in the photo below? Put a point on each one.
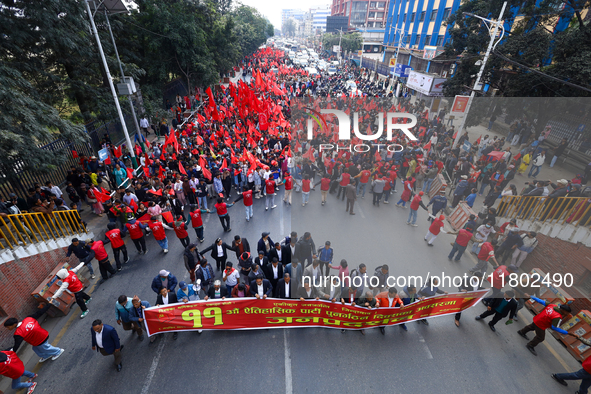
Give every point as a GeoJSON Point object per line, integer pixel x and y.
{"type": "Point", "coordinates": [135, 230]}
{"type": "Point", "coordinates": [30, 331]}
{"type": "Point", "coordinates": [115, 237]}
{"type": "Point", "coordinates": [246, 196]}
{"type": "Point", "coordinates": [416, 202]}
{"type": "Point", "coordinates": [288, 188]}
{"type": "Point", "coordinates": [583, 374]}
{"type": "Point", "coordinates": [549, 317]}
{"type": "Point", "coordinates": [12, 367]}
{"type": "Point", "coordinates": [222, 211]}
{"type": "Point", "coordinates": [434, 230]}
{"type": "Point", "coordinates": [157, 228]}
{"type": "Point", "coordinates": [180, 229]}
{"type": "Point", "coordinates": [197, 223]}
{"type": "Point", "coordinates": [270, 190]}
{"type": "Point", "coordinates": [102, 257]}
{"type": "Point", "coordinates": [324, 187]}
{"type": "Point", "coordinates": [71, 282]}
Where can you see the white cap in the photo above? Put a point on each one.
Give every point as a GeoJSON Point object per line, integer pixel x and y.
{"type": "Point", "coordinates": [163, 273]}
{"type": "Point", "coordinates": [62, 274]}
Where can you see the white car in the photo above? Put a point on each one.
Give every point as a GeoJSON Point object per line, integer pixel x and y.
{"type": "Point", "coordinates": [332, 69]}
{"type": "Point", "coordinates": [303, 62]}
{"type": "Point", "coordinates": [351, 85]}
{"type": "Point", "coordinates": [311, 71]}
{"type": "Point", "coordinates": [321, 66]}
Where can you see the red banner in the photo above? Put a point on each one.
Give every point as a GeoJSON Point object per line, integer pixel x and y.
{"type": "Point", "coordinates": [253, 314]}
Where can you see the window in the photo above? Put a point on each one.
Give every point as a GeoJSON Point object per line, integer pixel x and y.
{"type": "Point", "coordinates": [381, 4]}
{"type": "Point", "coordinates": [428, 40]}
{"type": "Point", "coordinates": [412, 17]}
{"type": "Point", "coordinates": [380, 15]}
{"type": "Point", "coordinates": [417, 40]}
{"type": "Point", "coordinates": [371, 15]}
{"type": "Point", "coordinates": [372, 4]}
{"type": "Point", "coordinates": [433, 15]}
{"type": "Point", "coordinates": [440, 41]}
{"type": "Point", "coordinates": [446, 13]}
{"type": "Point", "coordinates": [422, 16]}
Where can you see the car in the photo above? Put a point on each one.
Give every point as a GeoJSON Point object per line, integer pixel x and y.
{"type": "Point", "coordinates": [321, 66]}
{"type": "Point", "coordinates": [332, 69]}
{"type": "Point", "coordinates": [311, 71]}
{"type": "Point", "coordinates": [351, 85]}
{"type": "Point", "coordinates": [303, 62]}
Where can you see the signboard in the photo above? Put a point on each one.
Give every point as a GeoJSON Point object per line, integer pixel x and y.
{"type": "Point", "coordinates": [257, 314]}
{"type": "Point", "coordinates": [360, 52]}
{"type": "Point", "coordinates": [103, 154]}
{"type": "Point", "coordinates": [402, 70]}
{"type": "Point", "coordinates": [431, 52]}
{"type": "Point", "coordinates": [581, 127]}
{"type": "Point", "coordinates": [467, 146]}
{"type": "Point", "coordinates": [419, 82]}
{"type": "Point", "coordinates": [459, 105]}
{"type": "Point", "coordinates": [336, 48]}
{"type": "Point", "coordinates": [392, 62]}
{"type": "Point", "coordinates": [437, 87]}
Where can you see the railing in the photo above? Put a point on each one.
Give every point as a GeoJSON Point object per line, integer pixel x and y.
{"type": "Point", "coordinates": [27, 228]}
{"type": "Point", "coordinates": [560, 210]}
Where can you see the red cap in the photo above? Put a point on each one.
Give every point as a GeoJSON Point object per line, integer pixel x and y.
{"type": "Point", "coordinates": [441, 217]}
{"type": "Point", "coordinates": [421, 193]}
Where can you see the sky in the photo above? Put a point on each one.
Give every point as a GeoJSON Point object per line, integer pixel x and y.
{"type": "Point", "coordinates": [272, 8]}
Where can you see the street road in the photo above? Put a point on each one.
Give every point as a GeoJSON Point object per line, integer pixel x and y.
{"type": "Point", "coordinates": [439, 358]}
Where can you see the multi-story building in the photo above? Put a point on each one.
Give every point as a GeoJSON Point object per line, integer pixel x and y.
{"type": "Point", "coordinates": [319, 16]}
{"type": "Point", "coordinates": [362, 13]}
{"type": "Point", "coordinates": [296, 14]}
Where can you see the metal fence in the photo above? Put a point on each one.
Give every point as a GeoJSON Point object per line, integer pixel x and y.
{"type": "Point", "coordinates": [28, 228]}
{"type": "Point", "coordinates": [560, 211]}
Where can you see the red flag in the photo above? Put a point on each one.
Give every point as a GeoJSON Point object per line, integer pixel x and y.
{"type": "Point", "coordinates": [455, 134]}
{"type": "Point", "coordinates": [147, 144]}
{"type": "Point", "coordinates": [145, 218]}
{"type": "Point", "coordinates": [147, 172]}
{"type": "Point", "coordinates": [478, 140]}
{"type": "Point", "coordinates": [117, 151]}
{"type": "Point", "coordinates": [309, 154]}
{"type": "Point", "coordinates": [224, 165]}
{"type": "Point", "coordinates": [129, 173]}
{"type": "Point", "coordinates": [161, 173]}
{"type": "Point", "coordinates": [133, 205]}
{"type": "Point", "coordinates": [157, 193]}
{"type": "Point", "coordinates": [377, 156]}
{"type": "Point", "coordinates": [101, 197]}
{"type": "Point", "coordinates": [107, 161]}
{"type": "Point", "coordinates": [167, 216]}
{"type": "Point", "coordinates": [206, 173]}
{"type": "Point", "coordinates": [74, 154]}
{"type": "Point", "coordinates": [199, 140]}
{"type": "Point", "coordinates": [162, 156]}
{"type": "Point", "coordinates": [427, 146]}
{"type": "Point", "coordinates": [182, 169]}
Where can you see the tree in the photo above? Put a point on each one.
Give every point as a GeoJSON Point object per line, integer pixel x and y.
{"type": "Point", "coordinates": [289, 28]}
{"type": "Point", "coordinates": [350, 41]}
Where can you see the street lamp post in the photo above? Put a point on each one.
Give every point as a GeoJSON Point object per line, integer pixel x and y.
{"type": "Point", "coordinates": [491, 45]}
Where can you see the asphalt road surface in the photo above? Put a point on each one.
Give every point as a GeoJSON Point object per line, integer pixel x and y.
{"type": "Point", "coordinates": [439, 358]}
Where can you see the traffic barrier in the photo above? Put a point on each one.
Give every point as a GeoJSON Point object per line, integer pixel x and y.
{"type": "Point", "coordinates": [579, 324]}
{"type": "Point", "coordinates": [560, 210]}
{"type": "Point", "coordinates": [438, 184]}
{"type": "Point", "coordinates": [460, 216]}
{"type": "Point", "coordinates": [50, 285]}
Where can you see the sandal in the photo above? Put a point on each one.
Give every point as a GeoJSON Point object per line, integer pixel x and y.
{"type": "Point", "coordinates": [457, 323]}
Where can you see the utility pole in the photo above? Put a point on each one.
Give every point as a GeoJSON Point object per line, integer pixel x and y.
{"type": "Point", "coordinates": [340, 38]}
{"type": "Point", "coordinates": [491, 45]}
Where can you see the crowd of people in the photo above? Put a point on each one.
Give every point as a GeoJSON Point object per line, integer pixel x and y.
{"type": "Point", "coordinates": [243, 144]}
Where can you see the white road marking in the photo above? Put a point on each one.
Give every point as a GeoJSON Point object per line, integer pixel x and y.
{"type": "Point", "coordinates": [360, 211]}
{"type": "Point", "coordinates": [425, 347]}
{"type": "Point", "coordinates": [154, 366]}
{"type": "Point", "coordinates": [288, 381]}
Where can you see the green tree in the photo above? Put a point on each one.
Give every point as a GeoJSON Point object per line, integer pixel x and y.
{"type": "Point", "coordinates": [289, 28]}
{"type": "Point", "coordinates": [350, 41]}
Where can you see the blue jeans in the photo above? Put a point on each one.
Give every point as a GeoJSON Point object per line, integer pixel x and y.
{"type": "Point", "coordinates": [537, 170]}
{"type": "Point", "coordinates": [45, 350]}
{"type": "Point", "coordinates": [401, 201]}
{"type": "Point", "coordinates": [249, 212]}
{"type": "Point", "coordinates": [17, 384]}
{"type": "Point", "coordinates": [163, 243]}
{"type": "Point", "coordinates": [427, 185]}
{"type": "Point", "coordinates": [361, 185]}
{"type": "Point", "coordinates": [475, 248]}
{"type": "Point", "coordinates": [482, 187]}
{"type": "Point", "coordinates": [553, 161]}
{"type": "Point", "coordinates": [89, 265]}
{"type": "Point", "coordinates": [202, 202]}
{"type": "Point", "coordinates": [199, 232]}
{"type": "Point", "coordinates": [580, 374]}
{"type": "Point", "coordinates": [456, 248]}
{"type": "Point", "coordinates": [230, 288]}
{"type": "Point", "coordinates": [387, 195]}
{"type": "Point", "coordinates": [305, 197]}
{"type": "Point", "coordinates": [412, 216]}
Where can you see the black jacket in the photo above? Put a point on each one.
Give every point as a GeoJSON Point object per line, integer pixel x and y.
{"type": "Point", "coordinates": [280, 289]}
{"type": "Point", "coordinates": [269, 273]}
{"type": "Point", "coordinates": [223, 292]}
{"type": "Point", "coordinates": [510, 309]}
{"type": "Point", "coordinates": [267, 288]}
{"type": "Point", "coordinates": [214, 250]}
{"type": "Point", "coordinates": [171, 298]}
{"type": "Point", "coordinates": [245, 244]}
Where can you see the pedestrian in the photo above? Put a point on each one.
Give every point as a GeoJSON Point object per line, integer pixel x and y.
{"type": "Point", "coordinates": [136, 314]}
{"type": "Point", "coordinates": [583, 374]}
{"type": "Point", "coordinates": [537, 163]}
{"type": "Point", "coordinates": [222, 211]}
{"type": "Point", "coordinates": [559, 151]}
{"type": "Point", "coordinates": [219, 252]}
{"type": "Point", "coordinates": [204, 273]}
{"type": "Point", "coordinates": [191, 256]}
{"type": "Point", "coordinates": [123, 308]}
{"type": "Point", "coordinates": [306, 190]}
{"type": "Point", "coordinates": [71, 282]}
{"type": "Point", "coordinates": [187, 292]}
{"type": "Point", "coordinates": [529, 244]}
{"type": "Point", "coordinates": [460, 244]}
{"type": "Point", "coordinates": [29, 330]}
{"type": "Point", "coordinates": [136, 229]}
{"type": "Point", "coordinates": [231, 277]}
{"type": "Point", "coordinates": [82, 251]}
{"type": "Point", "coordinates": [265, 244]}
{"type": "Point", "coordinates": [406, 194]}
{"type": "Point", "coordinates": [344, 180]}
{"type": "Point", "coordinates": [549, 317]}
{"type": "Point", "coordinates": [167, 297]}
{"type": "Point", "coordinates": [378, 189]}
{"type": "Point", "coordinates": [99, 252]}
{"type": "Point", "coordinates": [246, 197]}
{"type": "Point", "coordinates": [459, 191]}
{"type": "Point", "coordinates": [164, 279]}
{"type": "Point", "coordinates": [270, 190]}
{"type": "Point", "coordinates": [217, 291]}
{"type": "Point", "coordinates": [439, 203]}
{"type": "Point", "coordinates": [180, 229]}
{"type": "Point", "coordinates": [500, 307]}
{"type": "Point", "coordinates": [106, 341]}
{"type": "Point", "coordinates": [368, 301]}
{"type": "Point", "coordinates": [389, 299]}
{"type": "Point", "coordinates": [261, 288]}
{"type": "Point", "coordinates": [157, 228]}
{"type": "Point", "coordinates": [324, 188]}
{"type": "Point", "coordinates": [12, 367]}
{"type": "Point", "coordinates": [115, 237]}
{"type": "Point", "coordinates": [414, 208]}
{"type": "Point", "coordinates": [434, 229]}
{"type": "Point", "coordinates": [351, 197]}
{"type": "Point", "coordinates": [197, 223]}
{"type": "Point", "coordinates": [325, 256]}
{"type": "Point", "coordinates": [363, 181]}
{"type": "Point", "coordinates": [288, 188]}
{"type": "Point", "coordinates": [469, 284]}
{"type": "Point", "coordinates": [486, 252]}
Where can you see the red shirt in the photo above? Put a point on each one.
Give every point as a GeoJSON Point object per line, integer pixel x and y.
{"type": "Point", "coordinates": [486, 251]}
{"type": "Point", "coordinates": [414, 205]}
{"type": "Point", "coordinates": [181, 231]}
{"type": "Point", "coordinates": [270, 186]}
{"type": "Point", "coordinates": [74, 283]}
{"type": "Point", "coordinates": [99, 250]}
{"type": "Point", "coordinates": [345, 180]}
{"type": "Point", "coordinates": [13, 367]}
{"type": "Point", "coordinates": [31, 331]}
{"type": "Point", "coordinates": [196, 220]}
{"type": "Point", "coordinates": [305, 185]}
{"type": "Point", "coordinates": [464, 236]}
{"type": "Point", "coordinates": [365, 174]}
{"type": "Point", "coordinates": [324, 184]}
{"type": "Point", "coordinates": [221, 208]}
{"type": "Point", "coordinates": [544, 319]}
{"type": "Point", "coordinates": [157, 230]}
{"type": "Point", "coordinates": [115, 237]}
{"type": "Point", "coordinates": [435, 227]}
{"type": "Point", "coordinates": [135, 231]}
{"type": "Point", "coordinates": [499, 277]}
{"type": "Point", "coordinates": [587, 364]}
{"type": "Point", "coordinates": [247, 198]}
{"type": "Point", "coordinates": [288, 183]}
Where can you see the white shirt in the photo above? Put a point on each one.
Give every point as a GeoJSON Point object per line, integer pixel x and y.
{"type": "Point", "coordinates": [390, 302]}
{"type": "Point", "coordinates": [287, 288]}
{"type": "Point", "coordinates": [165, 299]}
{"type": "Point", "coordinates": [232, 279]}
{"type": "Point", "coordinates": [144, 123]}
{"type": "Point", "coordinates": [260, 290]}
{"type": "Point", "coordinates": [278, 254]}
{"type": "Point", "coordinates": [99, 338]}
{"type": "Point", "coordinates": [220, 250]}
{"type": "Point", "coordinates": [275, 270]}
{"type": "Point", "coordinates": [315, 271]}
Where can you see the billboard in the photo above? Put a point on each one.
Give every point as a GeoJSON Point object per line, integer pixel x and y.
{"type": "Point", "coordinates": [419, 82]}
{"type": "Point", "coordinates": [402, 70]}
{"type": "Point", "coordinates": [431, 52]}
{"type": "Point", "coordinates": [437, 87]}
{"type": "Point", "coordinates": [459, 105]}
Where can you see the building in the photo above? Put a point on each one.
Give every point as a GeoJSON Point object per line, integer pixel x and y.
{"type": "Point", "coordinates": [319, 16]}
{"type": "Point", "coordinates": [362, 14]}
{"type": "Point", "coordinates": [335, 24]}
{"type": "Point", "coordinates": [296, 14]}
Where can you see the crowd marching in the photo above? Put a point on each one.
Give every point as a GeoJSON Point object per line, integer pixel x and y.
{"type": "Point", "coordinates": [243, 143]}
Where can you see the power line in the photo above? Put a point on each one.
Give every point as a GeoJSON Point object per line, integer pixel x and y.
{"type": "Point", "coordinates": [540, 73]}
